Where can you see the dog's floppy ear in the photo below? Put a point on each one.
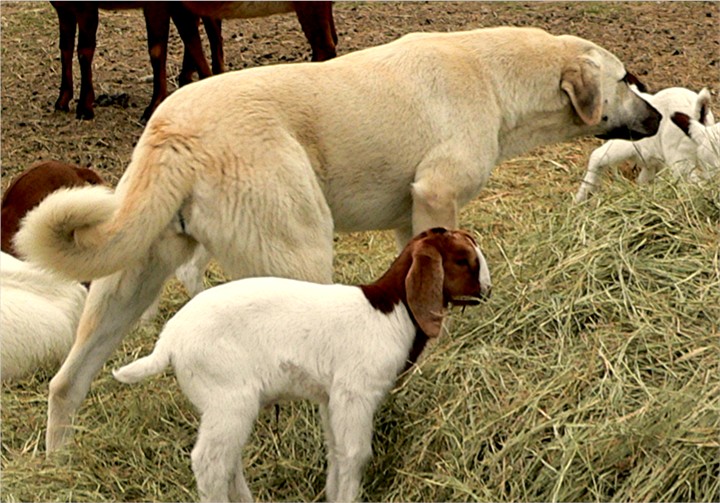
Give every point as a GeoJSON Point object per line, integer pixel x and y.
{"type": "Point", "coordinates": [581, 81]}
{"type": "Point", "coordinates": [424, 288]}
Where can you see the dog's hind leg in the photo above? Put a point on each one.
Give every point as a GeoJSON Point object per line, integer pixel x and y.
{"type": "Point", "coordinates": [113, 305]}
{"type": "Point", "coordinates": [192, 273]}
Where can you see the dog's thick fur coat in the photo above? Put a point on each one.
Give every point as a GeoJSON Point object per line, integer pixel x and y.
{"type": "Point", "coordinates": [261, 166]}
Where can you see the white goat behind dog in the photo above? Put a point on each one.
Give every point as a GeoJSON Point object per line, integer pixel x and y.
{"type": "Point", "coordinates": [252, 342]}
{"type": "Point", "coordinates": [668, 148]}
{"type": "Point", "coordinates": [707, 139]}
{"type": "Point", "coordinates": [39, 313]}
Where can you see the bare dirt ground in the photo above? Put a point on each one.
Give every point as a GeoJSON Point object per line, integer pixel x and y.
{"type": "Point", "coordinates": [665, 43]}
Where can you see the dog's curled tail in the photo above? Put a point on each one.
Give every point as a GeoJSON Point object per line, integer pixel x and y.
{"type": "Point", "coordinates": [91, 232]}
{"type": "Point", "coordinates": [149, 365]}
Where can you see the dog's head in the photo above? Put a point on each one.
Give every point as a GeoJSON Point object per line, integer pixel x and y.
{"type": "Point", "coordinates": [602, 96]}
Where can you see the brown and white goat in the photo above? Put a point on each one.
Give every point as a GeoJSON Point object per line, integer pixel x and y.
{"type": "Point", "coordinates": [269, 339]}
{"type": "Point", "coordinates": [30, 187]}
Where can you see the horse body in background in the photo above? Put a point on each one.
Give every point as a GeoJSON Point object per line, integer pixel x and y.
{"type": "Point", "coordinates": [315, 18]}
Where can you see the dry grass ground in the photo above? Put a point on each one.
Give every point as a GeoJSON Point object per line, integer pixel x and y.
{"type": "Point", "coordinates": [593, 373]}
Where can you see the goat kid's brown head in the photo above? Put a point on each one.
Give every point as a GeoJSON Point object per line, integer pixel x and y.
{"type": "Point", "coordinates": [447, 268]}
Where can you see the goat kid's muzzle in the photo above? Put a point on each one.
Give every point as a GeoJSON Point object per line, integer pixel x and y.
{"type": "Point", "coordinates": [472, 300]}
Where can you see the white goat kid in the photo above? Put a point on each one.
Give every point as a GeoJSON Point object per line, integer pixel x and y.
{"type": "Point", "coordinates": [707, 139]}
{"type": "Point", "coordinates": [39, 313]}
{"type": "Point", "coordinates": [668, 148]}
{"type": "Point", "coordinates": [252, 342]}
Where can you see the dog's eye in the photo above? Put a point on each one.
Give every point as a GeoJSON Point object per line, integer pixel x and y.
{"type": "Point", "coordinates": [463, 262]}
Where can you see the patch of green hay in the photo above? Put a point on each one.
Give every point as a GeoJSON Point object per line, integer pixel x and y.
{"type": "Point", "coordinates": [591, 374]}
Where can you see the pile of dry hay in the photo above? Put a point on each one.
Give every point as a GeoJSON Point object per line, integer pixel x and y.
{"type": "Point", "coordinates": [593, 373]}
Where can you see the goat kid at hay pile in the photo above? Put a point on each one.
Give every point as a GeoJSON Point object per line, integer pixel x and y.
{"type": "Point", "coordinates": [670, 147]}
{"type": "Point", "coordinates": [340, 346]}
{"type": "Point", "coordinates": [261, 166]}
{"type": "Point", "coordinates": [705, 137]}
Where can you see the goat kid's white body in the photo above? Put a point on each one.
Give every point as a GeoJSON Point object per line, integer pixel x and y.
{"type": "Point", "coordinates": [249, 343]}
{"type": "Point", "coordinates": [670, 147]}
{"type": "Point", "coordinates": [305, 337]}
{"type": "Point", "coordinates": [39, 313]}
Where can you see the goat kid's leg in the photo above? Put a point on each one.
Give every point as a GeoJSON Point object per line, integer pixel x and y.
{"type": "Point", "coordinates": [239, 490]}
{"type": "Point", "coordinates": [351, 421]}
{"type": "Point", "coordinates": [67, 23]}
{"type": "Point", "coordinates": [87, 40]}
{"type": "Point", "coordinates": [647, 174]}
{"type": "Point", "coordinates": [113, 305]}
{"type": "Point", "coordinates": [332, 462]}
{"type": "Point", "coordinates": [607, 155]}
{"type": "Point", "coordinates": [217, 455]}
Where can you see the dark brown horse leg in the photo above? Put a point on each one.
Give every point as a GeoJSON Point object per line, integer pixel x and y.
{"type": "Point", "coordinates": [213, 28]}
{"type": "Point", "coordinates": [157, 22]}
{"type": "Point", "coordinates": [193, 57]}
{"type": "Point", "coordinates": [317, 23]}
{"type": "Point", "coordinates": [87, 19]}
{"type": "Point", "coordinates": [67, 23]}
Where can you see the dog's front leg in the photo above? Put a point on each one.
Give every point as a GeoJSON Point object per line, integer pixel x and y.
{"type": "Point", "coordinates": [449, 176]}
{"type": "Point", "coordinates": [434, 204]}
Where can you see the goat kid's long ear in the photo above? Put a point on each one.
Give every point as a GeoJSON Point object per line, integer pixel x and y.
{"type": "Point", "coordinates": [424, 287]}
{"type": "Point", "coordinates": [702, 108]}
{"type": "Point", "coordinates": [581, 81]}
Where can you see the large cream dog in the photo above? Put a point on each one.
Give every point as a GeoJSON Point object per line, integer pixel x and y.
{"type": "Point", "coordinates": [261, 166]}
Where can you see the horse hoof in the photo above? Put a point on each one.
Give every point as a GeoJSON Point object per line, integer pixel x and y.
{"type": "Point", "coordinates": [85, 115]}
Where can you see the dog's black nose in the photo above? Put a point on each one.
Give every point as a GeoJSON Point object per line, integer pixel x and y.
{"type": "Point", "coordinates": [651, 123]}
